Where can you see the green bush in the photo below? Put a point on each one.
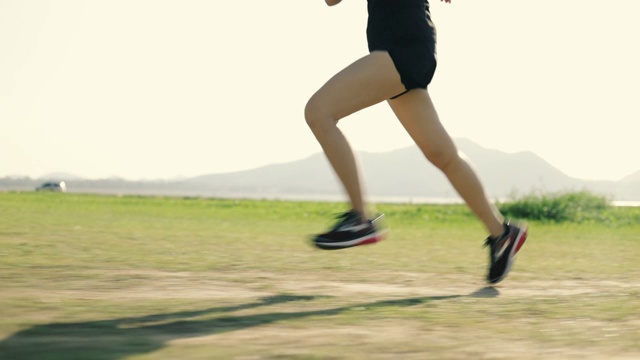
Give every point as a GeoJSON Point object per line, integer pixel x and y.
{"type": "Point", "coordinates": [557, 207]}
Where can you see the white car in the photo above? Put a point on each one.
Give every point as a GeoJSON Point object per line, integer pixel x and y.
{"type": "Point", "coordinates": [53, 187]}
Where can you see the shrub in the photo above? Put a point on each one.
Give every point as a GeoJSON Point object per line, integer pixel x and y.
{"type": "Point", "coordinates": [558, 207]}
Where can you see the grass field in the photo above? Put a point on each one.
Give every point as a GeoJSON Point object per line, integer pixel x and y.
{"type": "Point", "coordinates": [105, 277]}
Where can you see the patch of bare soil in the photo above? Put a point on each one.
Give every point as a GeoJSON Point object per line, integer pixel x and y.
{"type": "Point", "coordinates": [251, 292]}
{"type": "Point", "coordinates": [246, 285]}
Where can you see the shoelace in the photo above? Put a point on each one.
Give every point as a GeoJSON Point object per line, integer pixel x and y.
{"type": "Point", "coordinates": [490, 242]}
{"type": "Point", "coordinates": [345, 218]}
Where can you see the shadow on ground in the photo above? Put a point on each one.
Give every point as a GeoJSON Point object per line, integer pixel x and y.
{"type": "Point", "coordinates": [124, 337]}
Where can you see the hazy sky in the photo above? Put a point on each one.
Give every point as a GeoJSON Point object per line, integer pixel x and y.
{"type": "Point", "coordinates": [159, 89]}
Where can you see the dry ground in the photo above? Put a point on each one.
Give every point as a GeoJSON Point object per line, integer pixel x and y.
{"type": "Point", "coordinates": [258, 315]}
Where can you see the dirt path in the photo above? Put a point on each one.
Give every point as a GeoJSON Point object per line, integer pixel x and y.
{"type": "Point", "coordinates": [270, 314]}
{"type": "Point", "coordinates": [244, 285]}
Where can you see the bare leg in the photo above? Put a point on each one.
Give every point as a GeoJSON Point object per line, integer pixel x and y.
{"type": "Point", "coordinates": [417, 114]}
{"type": "Point", "coordinates": [368, 81]}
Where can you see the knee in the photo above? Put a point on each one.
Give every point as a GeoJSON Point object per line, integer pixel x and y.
{"type": "Point", "coordinates": [310, 115]}
{"type": "Point", "coordinates": [442, 158]}
{"type": "Point", "coordinates": [316, 116]}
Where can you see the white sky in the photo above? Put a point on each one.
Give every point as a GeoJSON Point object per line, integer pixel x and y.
{"type": "Point", "coordinates": [165, 88]}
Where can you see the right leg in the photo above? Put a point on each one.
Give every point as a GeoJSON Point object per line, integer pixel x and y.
{"type": "Point", "coordinates": [368, 81]}
{"type": "Point", "coordinates": [417, 114]}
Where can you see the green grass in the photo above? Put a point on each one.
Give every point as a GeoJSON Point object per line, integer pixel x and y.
{"type": "Point", "coordinates": [574, 206]}
{"type": "Point", "coordinates": [105, 277]}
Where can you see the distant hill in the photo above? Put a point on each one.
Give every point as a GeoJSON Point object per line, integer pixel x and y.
{"type": "Point", "coordinates": [402, 174]}
{"type": "Point", "coordinates": [635, 177]}
{"type": "Point", "coordinates": [405, 173]}
{"type": "Point", "coordinates": [59, 176]}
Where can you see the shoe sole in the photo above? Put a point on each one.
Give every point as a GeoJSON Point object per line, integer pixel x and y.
{"type": "Point", "coordinates": [367, 240]}
{"type": "Point", "coordinates": [520, 239]}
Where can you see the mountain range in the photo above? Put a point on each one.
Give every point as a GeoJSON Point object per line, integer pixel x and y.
{"type": "Point", "coordinates": [399, 175]}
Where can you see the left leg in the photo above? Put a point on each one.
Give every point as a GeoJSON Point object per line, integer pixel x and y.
{"type": "Point", "coordinates": [368, 81]}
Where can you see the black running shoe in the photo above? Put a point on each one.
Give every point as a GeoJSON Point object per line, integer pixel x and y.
{"type": "Point", "coordinates": [503, 250]}
{"type": "Point", "coordinates": [350, 231]}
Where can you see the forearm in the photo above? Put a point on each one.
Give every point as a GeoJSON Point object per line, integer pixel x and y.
{"type": "Point", "coordinates": [332, 2]}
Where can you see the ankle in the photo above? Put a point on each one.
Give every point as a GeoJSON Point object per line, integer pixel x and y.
{"type": "Point", "coordinates": [499, 232]}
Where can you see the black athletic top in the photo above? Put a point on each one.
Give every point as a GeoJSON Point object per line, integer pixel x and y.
{"type": "Point", "coordinates": [404, 29]}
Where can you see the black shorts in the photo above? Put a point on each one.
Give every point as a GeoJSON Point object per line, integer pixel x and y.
{"type": "Point", "coordinates": [403, 28]}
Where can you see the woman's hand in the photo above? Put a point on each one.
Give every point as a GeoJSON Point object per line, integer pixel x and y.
{"type": "Point", "coordinates": [334, 2]}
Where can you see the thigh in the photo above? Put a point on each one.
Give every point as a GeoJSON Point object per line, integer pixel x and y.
{"type": "Point", "coordinates": [368, 81]}
{"type": "Point", "coordinates": [416, 113]}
